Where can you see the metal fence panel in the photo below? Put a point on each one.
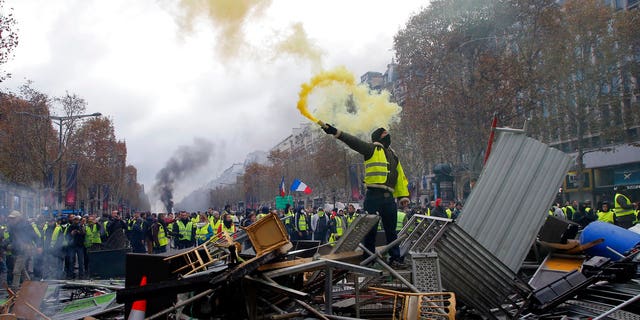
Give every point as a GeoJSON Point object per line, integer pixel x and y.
{"type": "Point", "coordinates": [510, 201]}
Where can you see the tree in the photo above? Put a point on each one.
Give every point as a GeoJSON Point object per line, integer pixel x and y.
{"type": "Point", "coordinates": [8, 38]}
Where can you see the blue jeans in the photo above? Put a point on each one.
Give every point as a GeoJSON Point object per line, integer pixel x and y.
{"type": "Point", "coordinates": [382, 202]}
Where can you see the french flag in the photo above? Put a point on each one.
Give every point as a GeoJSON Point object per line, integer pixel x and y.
{"type": "Point", "coordinates": [282, 189]}
{"type": "Point", "coordinates": [298, 185]}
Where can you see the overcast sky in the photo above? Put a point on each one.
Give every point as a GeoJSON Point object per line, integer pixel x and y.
{"type": "Point", "coordinates": [166, 74]}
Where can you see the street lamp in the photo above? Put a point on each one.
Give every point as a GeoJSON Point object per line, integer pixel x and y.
{"type": "Point", "coordinates": [60, 120]}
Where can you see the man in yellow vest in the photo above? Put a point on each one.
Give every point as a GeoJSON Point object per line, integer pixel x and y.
{"type": "Point", "coordinates": [351, 214]}
{"type": "Point", "coordinates": [92, 240]}
{"type": "Point", "coordinates": [385, 181]}
{"type": "Point", "coordinates": [338, 226]}
{"type": "Point", "coordinates": [606, 214]}
{"type": "Point", "coordinates": [302, 225]}
{"type": "Point", "coordinates": [623, 208]}
{"type": "Point", "coordinates": [159, 235]}
{"type": "Point", "coordinates": [402, 214]}
{"type": "Point", "coordinates": [204, 231]}
{"type": "Point", "coordinates": [184, 231]}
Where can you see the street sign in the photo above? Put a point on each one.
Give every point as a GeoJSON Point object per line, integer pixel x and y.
{"type": "Point", "coordinates": [281, 202]}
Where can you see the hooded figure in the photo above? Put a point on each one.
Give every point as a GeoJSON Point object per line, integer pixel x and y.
{"type": "Point", "coordinates": [385, 182]}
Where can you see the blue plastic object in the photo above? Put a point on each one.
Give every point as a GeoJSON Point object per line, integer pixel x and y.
{"type": "Point", "coordinates": [619, 239]}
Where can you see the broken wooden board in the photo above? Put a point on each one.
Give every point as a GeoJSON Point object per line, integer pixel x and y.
{"type": "Point", "coordinates": [349, 256]}
{"type": "Point", "coordinates": [30, 293]}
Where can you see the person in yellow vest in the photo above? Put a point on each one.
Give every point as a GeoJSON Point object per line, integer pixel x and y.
{"type": "Point", "coordinates": [385, 181]}
{"type": "Point", "coordinates": [92, 240]}
{"type": "Point", "coordinates": [204, 230]}
{"type": "Point", "coordinates": [338, 226]}
{"type": "Point", "coordinates": [184, 231]}
{"type": "Point", "coordinates": [351, 214]}
{"type": "Point", "coordinates": [264, 211]}
{"type": "Point", "coordinates": [159, 235]}
{"type": "Point", "coordinates": [402, 213]}
{"type": "Point", "coordinates": [636, 206]}
{"type": "Point", "coordinates": [450, 208]}
{"type": "Point", "coordinates": [214, 219]}
{"type": "Point", "coordinates": [288, 221]}
{"type": "Point", "coordinates": [302, 225]}
{"type": "Point", "coordinates": [606, 214]}
{"type": "Point", "coordinates": [623, 208]}
{"type": "Point", "coordinates": [227, 227]}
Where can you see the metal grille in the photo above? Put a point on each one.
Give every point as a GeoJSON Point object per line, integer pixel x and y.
{"type": "Point", "coordinates": [421, 232]}
{"type": "Point", "coordinates": [426, 272]}
{"type": "Point", "coordinates": [598, 309]}
{"type": "Point", "coordinates": [356, 232]}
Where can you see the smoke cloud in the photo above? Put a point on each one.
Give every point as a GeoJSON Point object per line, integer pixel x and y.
{"type": "Point", "coordinates": [185, 161]}
{"type": "Point", "coordinates": [350, 107]}
{"type": "Point", "coordinates": [230, 19]}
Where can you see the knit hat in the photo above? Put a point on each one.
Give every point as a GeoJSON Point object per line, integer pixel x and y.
{"type": "Point", "coordinates": [375, 135]}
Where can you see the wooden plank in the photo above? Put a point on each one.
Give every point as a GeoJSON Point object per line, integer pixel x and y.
{"type": "Point", "coordinates": [30, 293]}
{"type": "Point", "coordinates": [353, 256]}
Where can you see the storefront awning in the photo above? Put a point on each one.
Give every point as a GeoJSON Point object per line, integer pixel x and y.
{"type": "Point", "coordinates": [618, 155]}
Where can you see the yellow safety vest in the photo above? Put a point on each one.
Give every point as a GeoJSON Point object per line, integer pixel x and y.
{"type": "Point", "coordinates": [302, 223]}
{"type": "Point", "coordinates": [605, 216]}
{"type": "Point", "coordinates": [350, 219]}
{"type": "Point", "coordinates": [36, 229]}
{"type": "Point", "coordinates": [104, 225]}
{"type": "Point", "coordinates": [185, 230]}
{"type": "Point", "coordinates": [56, 233]}
{"type": "Point", "coordinates": [231, 230]}
{"type": "Point", "coordinates": [162, 236]}
{"type": "Point", "coordinates": [339, 226]}
{"type": "Point", "coordinates": [92, 235]}
{"type": "Point", "coordinates": [215, 224]}
{"type": "Point", "coordinates": [201, 233]}
{"type": "Point", "coordinates": [619, 211]}
{"type": "Point", "coordinates": [569, 212]}
{"type": "Point", "coordinates": [448, 212]}
{"type": "Point", "coordinates": [376, 172]}
{"type": "Point", "coordinates": [400, 223]}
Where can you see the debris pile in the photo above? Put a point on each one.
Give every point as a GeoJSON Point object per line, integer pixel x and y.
{"type": "Point", "coordinates": [494, 262]}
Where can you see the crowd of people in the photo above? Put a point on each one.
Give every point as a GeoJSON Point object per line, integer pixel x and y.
{"type": "Point", "coordinates": [58, 248]}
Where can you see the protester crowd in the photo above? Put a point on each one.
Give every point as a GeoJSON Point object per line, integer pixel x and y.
{"type": "Point", "coordinates": [57, 248]}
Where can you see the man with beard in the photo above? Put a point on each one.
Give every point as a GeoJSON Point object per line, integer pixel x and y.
{"type": "Point", "coordinates": [227, 227]}
{"type": "Point", "coordinates": [385, 181]}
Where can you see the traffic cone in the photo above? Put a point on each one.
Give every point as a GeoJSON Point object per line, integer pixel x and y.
{"type": "Point", "coordinates": [139, 307]}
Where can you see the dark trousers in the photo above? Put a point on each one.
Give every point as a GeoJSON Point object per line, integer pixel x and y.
{"type": "Point", "coordinates": [183, 244]}
{"type": "Point", "coordinates": [73, 253]}
{"type": "Point", "coordinates": [382, 203]}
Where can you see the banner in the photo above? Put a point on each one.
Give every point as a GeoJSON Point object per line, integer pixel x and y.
{"type": "Point", "coordinates": [355, 182]}
{"type": "Point", "coordinates": [105, 197]}
{"type": "Point", "coordinates": [71, 193]}
{"type": "Point", "coordinates": [50, 194]}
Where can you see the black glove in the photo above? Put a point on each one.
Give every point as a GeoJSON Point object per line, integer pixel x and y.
{"type": "Point", "coordinates": [329, 129]}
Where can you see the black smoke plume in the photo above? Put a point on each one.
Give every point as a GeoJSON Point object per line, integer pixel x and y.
{"type": "Point", "coordinates": [186, 160]}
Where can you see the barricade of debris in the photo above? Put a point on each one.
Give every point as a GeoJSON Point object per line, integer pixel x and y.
{"type": "Point", "coordinates": [478, 266]}
{"type": "Point", "coordinates": [472, 267]}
